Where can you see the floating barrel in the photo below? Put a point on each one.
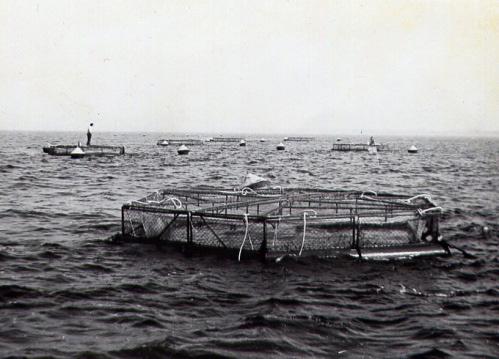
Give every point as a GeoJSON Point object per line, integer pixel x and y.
{"type": "Point", "coordinates": [242, 143]}
{"type": "Point", "coordinates": [280, 147]}
{"type": "Point", "coordinates": [77, 153]}
{"type": "Point", "coordinates": [183, 150]}
{"type": "Point", "coordinates": [413, 149]}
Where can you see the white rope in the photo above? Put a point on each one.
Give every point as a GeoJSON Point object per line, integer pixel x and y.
{"type": "Point", "coordinates": [304, 232]}
{"type": "Point", "coordinates": [244, 191]}
{"type": "Point", "coordinates": [245, 235]}
{"type": "Point", "coordinates": [362, 194]}
{"type": "Point", "coordinates": [305, 228]}
{"type": "Point", "coordinates": [432, 209]}
{"type": "Point", "coordinates": [275, 232]}
{"type": "Point", "coordinates": [247, 190]}
{"type": "Point", "coordinates": [175, 201]}
{"type": "Point", "coordinates": [424, 195]}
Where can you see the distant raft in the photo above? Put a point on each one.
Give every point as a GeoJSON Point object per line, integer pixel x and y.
{"type": "Point", "coordinates": [357, 147]}
{"type": "Point", "coordinates": [180, 141]}
{"type": "Point", "coordinates": [298, 139]}
{"type": "Point", "coordinates": [227, 139]}
{"type": "Point", "coordinates": [66, 150]}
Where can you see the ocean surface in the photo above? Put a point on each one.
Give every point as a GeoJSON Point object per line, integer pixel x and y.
{"type": "Point", "coordinates": [67, 291]}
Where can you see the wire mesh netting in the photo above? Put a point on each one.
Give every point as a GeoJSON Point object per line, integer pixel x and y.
{"type": "Point", "coordinates": [274, 221]}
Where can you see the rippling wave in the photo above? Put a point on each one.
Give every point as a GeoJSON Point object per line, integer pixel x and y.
{"type": "Point", "coordinates": [67, 291]}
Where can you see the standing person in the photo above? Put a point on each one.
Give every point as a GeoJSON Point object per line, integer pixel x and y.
{"type": "Point", "coordinates": [89, 134]}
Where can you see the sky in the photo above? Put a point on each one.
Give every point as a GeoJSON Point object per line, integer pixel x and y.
{"type": "Point", "coordinates": [304, 67]}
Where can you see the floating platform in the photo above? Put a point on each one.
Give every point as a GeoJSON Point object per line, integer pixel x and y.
{"type": "Point", "coordinates": [299, 139]}
{"type": "Point", "coordinates": [275, 223]}
{"type": "Point", "coordinates": [65, 150]}
{"type": "Point", "coordinates": [227, 139]}
{"type": "Point", "coordinates": [180, 141]}
{"type": "Point", "coordinates": [345, 147]}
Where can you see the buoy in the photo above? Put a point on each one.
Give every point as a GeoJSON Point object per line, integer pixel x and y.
{"type": "Point", "coordinates": [183, 150]}
{"type": "Point", "coordinates": [412, 149]}
{"type": "Point", "coordinates": [242, 143]}
{"type": "Point", "coordinates": [77, 152]}
{"type": "Point", "coordinates": [280, 147]}
{"type": "Point", "coordinates": [338, 139]}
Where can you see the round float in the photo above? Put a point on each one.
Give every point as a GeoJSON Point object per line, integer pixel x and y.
{"type": "Point", "coordinates": [183, 150]}
{"type": "Point", "coordinates": [77, 153]}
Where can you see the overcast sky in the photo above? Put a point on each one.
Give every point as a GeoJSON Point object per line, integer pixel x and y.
{"type": "Point", "coordinates": [322, 67]}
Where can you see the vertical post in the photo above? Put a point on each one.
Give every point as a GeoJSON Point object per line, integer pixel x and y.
{"type": "Point", "coordinates": [352, 219]}
{"type": "Point", "coordinates": [357, 233]}
{"type": "Point", "coordinates": [122, 221]}
{"type": "Point", "coordinates": [357, 236]}
{"type": "Point", "coordinates": [263, 247]}
{"type": "Point", "coordinates": [434, 228]}
{"type": "Point", "coordinates": [188, 231]}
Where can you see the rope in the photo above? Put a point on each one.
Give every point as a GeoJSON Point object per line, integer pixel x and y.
{"type": "Point", "coordinates": [247, 190]}
{"type": "Point", "coordinates": [362, 194]}
{"type": "Point", "coordinates": [432, 209]}
{"type": "Point", "coordinates": [424, 195]}
{"type": "Point", "coordinates": [175, 201]}
{"type": "Point", "coordinates": [305, 228]}
{"type": "Point", "coordinates": [245, 235]}
{"type": "Point", "coordinates": [244, 191]}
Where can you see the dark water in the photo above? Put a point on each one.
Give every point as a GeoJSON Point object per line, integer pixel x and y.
{"type": "Point", "coordinates": [66, 291]}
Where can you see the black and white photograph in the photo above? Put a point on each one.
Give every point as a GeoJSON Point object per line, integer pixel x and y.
{"type": "Point", "coordinates": [249, 179]}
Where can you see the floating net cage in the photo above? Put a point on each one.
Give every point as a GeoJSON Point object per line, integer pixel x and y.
{"type": "Point", "coordinates": [277, 222]}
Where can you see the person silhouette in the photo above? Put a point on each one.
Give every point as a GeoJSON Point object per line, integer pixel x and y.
{"type": "Point", "coordinates": [89, 134]}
